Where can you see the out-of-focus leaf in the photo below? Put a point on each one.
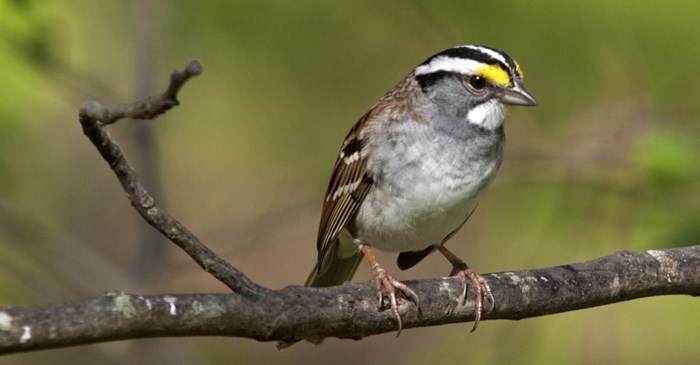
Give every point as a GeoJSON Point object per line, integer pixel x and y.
{"type": "Point", "coordinates": [27, 30]}
{"type": "Point", "coordinates": [668, 157]}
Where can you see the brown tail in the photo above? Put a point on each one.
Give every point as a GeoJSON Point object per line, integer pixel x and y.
{"type": "Point", "coordinates": [334, 269]}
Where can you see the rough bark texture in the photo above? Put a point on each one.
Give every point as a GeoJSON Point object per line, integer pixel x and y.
{"type": "Point", "coordinates": [350, 310]}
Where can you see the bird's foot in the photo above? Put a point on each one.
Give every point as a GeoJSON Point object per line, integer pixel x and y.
{"type": "Point", "coordinates": [384, 282]}
{"type": "Point", "coordinates": [482, 290]}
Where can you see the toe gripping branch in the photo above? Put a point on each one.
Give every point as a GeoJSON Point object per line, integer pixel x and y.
{"type": "Point", "coordinates": [384, 282]}
{"type": "Point", "coordinates": [467, 276]}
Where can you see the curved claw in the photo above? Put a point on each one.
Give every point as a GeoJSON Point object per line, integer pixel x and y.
{"type": "Point", "coordinates": [482, 291]}
{"type": "Point", "coordinates": [387, 282]}
{"type": "Point", "coordinates": [466, 275]}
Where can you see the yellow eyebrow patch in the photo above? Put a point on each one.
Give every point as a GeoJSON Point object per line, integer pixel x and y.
{"type": "Point", "coordinates": [494, 74]}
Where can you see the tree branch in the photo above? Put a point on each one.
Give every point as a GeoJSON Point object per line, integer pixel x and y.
{"type": "Point", "coordinates": [95, 117]}
{"type": "Point", "coordinates": [348, 311]}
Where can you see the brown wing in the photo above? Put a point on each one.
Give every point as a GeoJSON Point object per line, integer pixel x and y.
{"type": "Point", "coordinates": [349, 185]}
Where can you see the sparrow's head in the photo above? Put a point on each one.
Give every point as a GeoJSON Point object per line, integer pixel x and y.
{"type": "Point", "coordinates": [473, 82]}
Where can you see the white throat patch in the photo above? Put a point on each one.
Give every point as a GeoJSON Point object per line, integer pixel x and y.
{"type": "Point", "coordinates": [489, 115]}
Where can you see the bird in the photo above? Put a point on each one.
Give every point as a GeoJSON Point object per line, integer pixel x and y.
{"type": "Point", "coordinates": [413, 168]}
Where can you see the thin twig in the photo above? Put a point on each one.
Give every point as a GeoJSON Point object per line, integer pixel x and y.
{"type": "Point", "coordinates": [95, 117]}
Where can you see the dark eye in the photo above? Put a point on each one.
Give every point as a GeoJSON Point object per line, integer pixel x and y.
{"type": "Point", "coordinates": [476, 82]}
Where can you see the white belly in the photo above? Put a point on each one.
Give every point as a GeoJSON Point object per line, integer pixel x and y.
{"type": "Point", "coordinates": [421, 200]}
{"type": "Point", "coordinates": [412, 223]}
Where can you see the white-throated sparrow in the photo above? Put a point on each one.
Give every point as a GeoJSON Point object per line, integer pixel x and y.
{"type": "Point", "coordinates": [413, 168]}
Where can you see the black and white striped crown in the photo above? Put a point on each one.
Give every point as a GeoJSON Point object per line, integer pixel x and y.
{"type": "Point", "coordinates": [492, 64]}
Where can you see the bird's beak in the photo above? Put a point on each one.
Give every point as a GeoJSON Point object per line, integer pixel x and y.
{"type": "Point", "coordinates": [518, 95]}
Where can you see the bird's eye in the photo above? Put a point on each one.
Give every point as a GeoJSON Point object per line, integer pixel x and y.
{"type": "Point", "coordinates": [476, 82]}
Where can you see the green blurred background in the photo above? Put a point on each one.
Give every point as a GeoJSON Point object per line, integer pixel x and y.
{"type": "Point", "coordinates": [608, 161]}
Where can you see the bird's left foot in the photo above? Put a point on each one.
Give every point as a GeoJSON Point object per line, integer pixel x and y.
{"type": "Point", "coordinates": [467, 276]}
{"type": "Point", "coordinates": [482, 290]}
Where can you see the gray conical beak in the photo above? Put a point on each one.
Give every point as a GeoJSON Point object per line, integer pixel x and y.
{"type": "Point", "coordinates": [518, 95]}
